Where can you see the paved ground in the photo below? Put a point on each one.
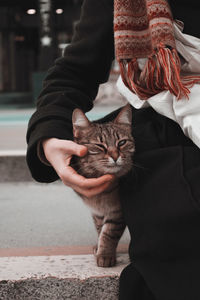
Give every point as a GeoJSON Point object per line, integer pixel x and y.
{"type": "Point", "coordinates": [59, 277]}
{"type": "Point", "coordinates": [40, 215]}
{"type": "Point", "coordinates": [13, 125]}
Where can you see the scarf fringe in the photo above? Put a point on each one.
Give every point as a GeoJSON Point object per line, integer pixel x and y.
{"type": "Point", "coordinates": [161, 72]}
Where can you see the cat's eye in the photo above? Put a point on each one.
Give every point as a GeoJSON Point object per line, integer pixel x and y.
{"type": "Point", "coordinates": [102, 147]}
{"type": "Point", "coordinates": [121, 143]}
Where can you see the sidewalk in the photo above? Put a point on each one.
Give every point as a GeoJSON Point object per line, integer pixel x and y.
{"type": "Point", "coordinates": [59, 278]}
{"type": "Point", "coordinates": [13, 126]}
{"type": "Point", "coordinates": [47, 236]}
{"type": "Point", "coordinates": [44, 215]}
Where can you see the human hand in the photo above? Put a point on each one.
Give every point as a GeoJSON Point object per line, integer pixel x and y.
{"type": "Point", "coordinates": [59, 153]}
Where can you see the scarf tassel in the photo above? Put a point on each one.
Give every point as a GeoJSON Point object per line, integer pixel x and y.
{"type": "Point", "coordinates": [161, 72]}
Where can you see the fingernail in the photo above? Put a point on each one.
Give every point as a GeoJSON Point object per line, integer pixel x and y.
{"type": "Point", "coordinates": [83, 151]}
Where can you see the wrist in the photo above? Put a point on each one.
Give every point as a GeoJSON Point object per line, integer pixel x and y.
{"type": "Point", "coordinates": [41, 153]}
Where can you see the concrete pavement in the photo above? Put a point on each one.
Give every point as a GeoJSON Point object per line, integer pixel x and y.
{"type": "Point", "coordinates": [59, 278]}
{"type": "Point", "coordinates": [44, 231]}
{"type": "Point", "coordinates": [42, 215]}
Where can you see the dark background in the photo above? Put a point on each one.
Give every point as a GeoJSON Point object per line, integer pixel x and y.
{"type": "Point", "coordinates": [23, 58]}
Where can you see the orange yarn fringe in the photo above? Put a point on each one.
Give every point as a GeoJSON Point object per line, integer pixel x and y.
{"type": "Point", "coordinates": [161, 72]}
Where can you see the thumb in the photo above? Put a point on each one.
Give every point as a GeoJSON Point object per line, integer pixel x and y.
{"type": "Point", "coordinates": [73, 148]}
{"type": "Point", "coordinates": [82, 150]}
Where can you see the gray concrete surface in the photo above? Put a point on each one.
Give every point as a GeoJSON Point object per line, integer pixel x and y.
{"type": "Point", "coordinates": [40, 215]}
{"type": "Point", "coordinates": [58, 278]}
{"type": "Point", "coordinates": [13, 167]}
{"type": "Point", "coordinates": [12, 137]}
{"type": "Point", "coordinates": [13, 126]}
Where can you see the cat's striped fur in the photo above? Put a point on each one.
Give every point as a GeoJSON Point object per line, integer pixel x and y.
{"type": "Point", "coordinates": [110, 150]}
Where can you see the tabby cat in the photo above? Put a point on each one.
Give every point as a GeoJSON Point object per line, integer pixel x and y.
{"type": "Point", "coordinates": [110, 150]}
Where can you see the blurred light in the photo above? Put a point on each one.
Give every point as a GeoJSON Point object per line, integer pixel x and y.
{"type": "Point", "coordinates": [63, 45]}
{"type": "Point", "coordinates": [59, 11]}
{"type": "Point", "coordinates": [31, 11]}
{"type": "Point", "coordinates": [46, 40]}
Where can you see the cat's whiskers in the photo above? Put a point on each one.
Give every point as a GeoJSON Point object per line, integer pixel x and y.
{"type": "Point", "coordinates": [111, 162]}
{"type": "Point", "coordinates": [119, 161]}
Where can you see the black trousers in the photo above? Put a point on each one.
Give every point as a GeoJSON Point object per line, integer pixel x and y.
{"type": "Point", "coordinates": [161, 204]}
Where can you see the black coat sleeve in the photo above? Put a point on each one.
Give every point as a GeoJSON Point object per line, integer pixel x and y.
{"type": "Point", "coordinates": [72, 82]}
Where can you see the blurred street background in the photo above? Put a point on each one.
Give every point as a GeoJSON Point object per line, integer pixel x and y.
{"type": "Point", "coordinates": [33, 34]}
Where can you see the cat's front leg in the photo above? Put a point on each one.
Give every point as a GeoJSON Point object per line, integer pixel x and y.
{"type": "Point", "coordinates": [98, 222]}
{"type": "Point", "coordinates": [109, 236]}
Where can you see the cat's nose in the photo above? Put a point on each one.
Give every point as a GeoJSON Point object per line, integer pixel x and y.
{"type": "Point", "coordinates": [114, 154]}
{"type": "Point", "coordinates": [115, 158]}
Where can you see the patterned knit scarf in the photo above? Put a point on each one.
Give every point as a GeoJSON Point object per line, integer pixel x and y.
{"type": "Point", "coordinates": [144, 29]}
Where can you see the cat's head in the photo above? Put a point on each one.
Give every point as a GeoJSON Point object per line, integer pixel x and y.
{"type": "Point", "coordinates": [110, 145]}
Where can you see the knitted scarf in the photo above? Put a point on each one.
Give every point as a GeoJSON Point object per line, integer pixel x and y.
{"type": "Point", "coordinates": [144, 29]}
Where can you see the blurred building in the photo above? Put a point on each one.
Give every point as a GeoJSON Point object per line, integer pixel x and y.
{"type": "Point", "coordinates": [32, 34]}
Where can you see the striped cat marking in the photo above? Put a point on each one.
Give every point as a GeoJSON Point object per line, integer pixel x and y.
{"type": "Point", "coordinates": [110, 151]}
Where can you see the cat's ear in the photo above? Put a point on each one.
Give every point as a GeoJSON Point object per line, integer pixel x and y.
{"type": "Point", "coordinates": [124, 116]}
{"type": "Point", "coordinates": [79, 121]}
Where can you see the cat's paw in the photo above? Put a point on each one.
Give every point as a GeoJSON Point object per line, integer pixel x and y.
{"type": "Point", "coordinates": [106, 261]}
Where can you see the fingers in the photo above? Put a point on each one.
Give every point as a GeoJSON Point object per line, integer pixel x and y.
{"type": "Point", "coordinates": [54, 146]}
{"type": "Point", "coordinates": [71, 178]}
{"type": "Point", "coordinates": [59, 153]}
{"type": "Point", "coordinates": [92, 191]}
{"type": "Point", "coordinates": [73, 148]}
